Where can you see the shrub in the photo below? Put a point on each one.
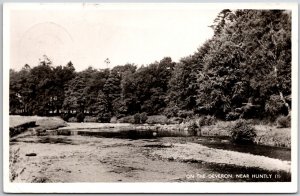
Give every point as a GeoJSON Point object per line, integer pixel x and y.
{"type": "Point", "coordinates": [206, 120]}
{"type": "Point", "coordinates": [185, 113]}
{"type": "Point", "coordinates": [104, 117]}
{"type": "Point", "coordinates": [80, 117]}
{"type": "Point", "coordinates": [193, 128]}
{"type": "Point", "coordinates": [157, 119]}
{"type": "Point", "coordinates": [232, 116]}
{"type": "Point", "coordinates": [242, 132]}
{"type": "Point", "coordinates": [72, 119]}
{"type": "Point", "coordinates": [90, 119]}
{"type": "Point", "coordinates": [143, 117]}
{"type": "Point", "coordinates": [275, 106]}
{"type": "Point", "coordinates": [126, 119]}
{"type": "Point", "coordinates": [283, 121]}
{"type": "Point", "coordinates": [137, 118]}
{"type": "Point", "coordinates": [171, 111]}
{"type": "Point", "coordinates": [175, 120]}
{"type": "Point", "coordinates": [65, 116]}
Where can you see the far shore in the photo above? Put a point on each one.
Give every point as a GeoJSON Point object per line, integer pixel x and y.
{"type": "Point", "coordinates": [125, 159]}
{"type": "Point", "coordinates": [266, 134]}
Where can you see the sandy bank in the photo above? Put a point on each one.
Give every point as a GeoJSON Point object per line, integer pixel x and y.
{"type": "Point", "coordinates": [21, 126]}
{"type": "Point", "coordinates": [197, 152]}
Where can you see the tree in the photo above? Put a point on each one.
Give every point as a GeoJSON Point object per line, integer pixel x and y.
{"type": "Point", "coordinates": [103, 112]}
{"type": "Point", "coordinates": [146, 89]}
{"type": "Point", "coordinates": [183, 84]}
{"type": "Point", "coordinates": [249, 59]}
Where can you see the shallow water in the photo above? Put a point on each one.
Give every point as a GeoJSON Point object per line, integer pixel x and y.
{"type": "Point", "coordinates": [225, 144]}
{"type": "Point", "coordinates": [111, 155]}
{"type": "Point", "coordinates": [268, 151]}
{"type": "Point", "coordinates": [213, 142]}
{"type": "Point", "coordinates": [102, 159]}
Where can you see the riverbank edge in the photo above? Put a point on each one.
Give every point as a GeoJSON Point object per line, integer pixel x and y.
{"type": "Point", "coordinates": [192, 152]}
{"type": "Point", "coordinates": [266, 135]}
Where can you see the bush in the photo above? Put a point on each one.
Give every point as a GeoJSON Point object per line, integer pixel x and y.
{"type": "Point", "coordinates": [90, 119]}
{"type": "Point", "coordinates": [284, 121]}
{"type": "Point", "coordinates": [157, 119]}
{"type": "Point", "coordinates": [275, 106]}
{"type": "Point", "coordinates": [193, 128]}
{"type": "Point", "coordinates": [65, 116]}
{"type": "Point", "coordinates": [104, 117]}
{"type": "Point", "coordinates": [242, 132]}
{"type": "Point", "coordinates": [137, 118]}
{"type": "Point", "coordinates": [72, 119]}
{"type": "Point", "coordinates": [232, 116]}
{"type": "Point", "coordinates": [80, 117]}
{"type": "Point", "coordinates": [171, 111]}
{"type": "Point", "coordinates": [185, 113]}
{"type": "Point", "coordinates": [175, 120]}
{"type": "Point", "coordinates": [207, 120]}
{"type": "Point", "coordinates": [126, 119]}
{"type": "Point", "coordinates": [143, 117]}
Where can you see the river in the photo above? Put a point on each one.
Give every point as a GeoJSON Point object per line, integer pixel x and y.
{"type": "Point", "coordinates": [106, 158]}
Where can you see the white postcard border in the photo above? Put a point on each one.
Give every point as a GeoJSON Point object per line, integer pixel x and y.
{"type": "Point", "coordinates": [211, 187]}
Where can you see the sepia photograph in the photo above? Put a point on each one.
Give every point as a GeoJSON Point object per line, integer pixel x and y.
{"type": "Point", "coordinates": [171, 96]}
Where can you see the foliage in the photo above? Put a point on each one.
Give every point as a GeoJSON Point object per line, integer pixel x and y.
{"type": "Point", "coordinates": [65, 116]}
{"type": "Point", "coordinates": [90, 119]}
{"type": "Point", "coordinates": [104, 117]}
{"type": "Point", "coordinates": [157, 119]}
{"type": "Point", "coordinates": [171, 111]}
{"type": "Point", "coordinates": [126, 119]}
{"type": "Point", "coordinates": [193, 127]}
{"type": "Point", "coordinates": [206, 120]}
{"type": "Point", "coordinates": [283, 121]}
{"type": "Point", "coordinates": [275, 106]}
{"type": "Point", "coordinates": [185, 113]}
{"type": "Point", "coordinates": [102, 108]}
{"type": "Point", "coordinates": [243, 71]}
{"type": "Point", "coordinates": [80, 117]}
{"type": "Point", "coordinates": [247, 62]}
{"type": "Point", "coordinates": [137, 118]}
{"type": "Point", "coordinates": [175, 120]}
{"type": "Point", "coordinates": [73, 119]}
{"type": "Point", "coordinates": [232, 116]}
{"type": "Point", "coordinates": [242, 132]}
{"type": "Point", "coordinates": [143, 117]}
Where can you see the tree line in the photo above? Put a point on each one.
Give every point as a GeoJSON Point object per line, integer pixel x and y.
{"type": "Point", "coordinates": [243, 71]}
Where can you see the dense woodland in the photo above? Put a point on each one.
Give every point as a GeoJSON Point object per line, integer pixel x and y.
{"type": "Point", "coordinates": [243, 71]}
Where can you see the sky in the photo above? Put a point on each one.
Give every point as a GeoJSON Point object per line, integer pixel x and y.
{"type": "Point", "coordinates": [88, 36]}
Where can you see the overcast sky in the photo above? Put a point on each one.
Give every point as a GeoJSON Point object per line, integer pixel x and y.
{"type": "Point", "coordinates": [88, 36]}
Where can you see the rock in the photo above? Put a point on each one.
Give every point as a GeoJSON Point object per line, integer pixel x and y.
{"type": "Point", "coordinates": [171, 159]}
{"type": "Point", "coordinates": [31, 154]}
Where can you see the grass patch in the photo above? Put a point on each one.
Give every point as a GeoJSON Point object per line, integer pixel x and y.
{"type": "Point", "coordinates": [157, 119]}
{"type": "Point", "coordinates": [273, 136]}
{"type": "Point", "coordinates": [283, 121]}
{"type": "Point", "coordinates": [220, 128]}
{"type": "Point", "coordinates": [14, 158]}
{"type": "Point", "coordinates": [136, 119]}
{"type": "Point", "coordinates": [266, 134]}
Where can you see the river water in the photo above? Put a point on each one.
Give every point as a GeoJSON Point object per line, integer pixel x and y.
{"type": "Point", "coordinates": [108, 157]}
